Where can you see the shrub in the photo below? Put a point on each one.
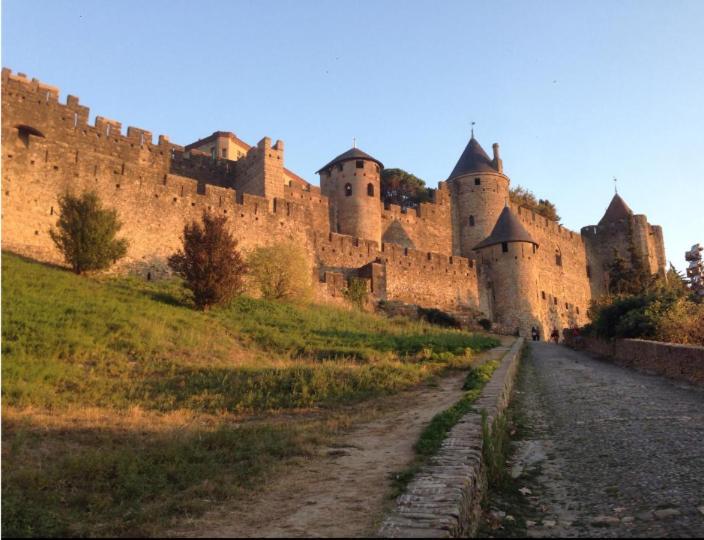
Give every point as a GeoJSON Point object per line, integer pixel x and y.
{"type": "Point", "coordinates": [485, 324]}
{"type": "Point", "coordinates": [664, 315]}
{"type": "Point", "coordinates": [281, 271]}
{"type": "Point", "coordinates": [85, 233]}
{"type": "Point", "coordinates": [356, 292]}
{"type": "Point", "coordinates": [209, 262]}
{"type": "Point", "coordinates": [439, 317]}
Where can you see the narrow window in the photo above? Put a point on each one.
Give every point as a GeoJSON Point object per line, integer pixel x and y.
{"type": "Point", "coordinates": [348, 189]}
{"type": "Point", "coordinates": [471, 221]}
{"type": "Point", "coordinates": [577, 310]}
{"type": "Point", "coordinates": [589, 272]}
{"type": "Point", "coordinates": [224, 152]}
{"type": "Point", "coordinates": [558, 257]}
{"type": "Point", "coordinates": [543, 293]}
{"type": "Point", "coordinates": [370, 189]}
{"type": "Point", "coordinates": [504, 247]}
{"type": "Point", "coordinates": [213, 153]}
{"type": "Point", "coordinates": [556, 300]}
{"type": "Point", "coordinates": [534, 249]}
{"type": "Point", "coordinates": [339, 166]}
{"type": "Point", "coordinates": [477, 181]}
{"type": "Point", "coordinates": [360, 164]}
{"type": "Point", "coordinates": [75, 119]}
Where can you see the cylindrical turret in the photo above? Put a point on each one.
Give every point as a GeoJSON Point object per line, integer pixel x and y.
{"type": "Point", "coordinates": [480, 191]}
{"type": "Point", "coordinates": [507, 258]}
{"type": "Point", "coordinates": [352, 183]}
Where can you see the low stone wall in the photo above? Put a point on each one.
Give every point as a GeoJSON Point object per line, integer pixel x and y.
{"type": "Point", "coordinates": [681, 362]}
{"type": "Point", "coordinates": [443, 500]}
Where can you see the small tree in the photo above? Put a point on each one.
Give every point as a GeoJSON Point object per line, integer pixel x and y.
{"type": "Point", "coordinates": [209, 262]}
{"type": "Point", "coordinates": [281, 271]}
{"type": "Point", "coordinates": [403, 188]}
{"type": "Point", "coordinates": [543, 207]}
{"type": "Point", "coordinates": [356, 292]}
{"type": "Point", "coordinates": [85, 233]}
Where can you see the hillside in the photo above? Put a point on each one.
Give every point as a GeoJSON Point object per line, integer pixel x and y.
{"type": "Point", "coordinates": [123, 406]}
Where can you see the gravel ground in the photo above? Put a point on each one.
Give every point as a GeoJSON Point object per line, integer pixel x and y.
{"type": "Point", "coordinates": [605, 452]}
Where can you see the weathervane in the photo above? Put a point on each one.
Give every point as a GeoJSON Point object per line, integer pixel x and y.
{"type": "Point", "coordinates": [615, 186]}
{"type": "Point", "coordinates": [354, 142]}
{"type": "Point", "coordinates": [473, 122]}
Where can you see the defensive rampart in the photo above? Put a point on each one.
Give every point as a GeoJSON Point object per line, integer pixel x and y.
{"type": "Point", "coordinates": [682, 362]}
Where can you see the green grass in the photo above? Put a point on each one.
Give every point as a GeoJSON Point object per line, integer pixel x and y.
{"type": "Point", "coordinates": [108, 483]}
{"type": "Point", "coordinates": [70, 340]}
{"type": "Point", "coordinates": [123, 405]}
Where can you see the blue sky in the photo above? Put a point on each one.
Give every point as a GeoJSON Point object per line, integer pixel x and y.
{"type": "Point", "coordinates": [575, 92]}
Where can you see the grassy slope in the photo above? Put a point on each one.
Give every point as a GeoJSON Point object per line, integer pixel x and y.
{"type": "Point", "coordinates": [116, 343]}
{"type": "Point", "coordinates": [73, 346]}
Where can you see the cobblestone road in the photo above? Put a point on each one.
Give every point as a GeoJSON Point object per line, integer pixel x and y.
{"type": "Point", "coordinates": [608, 452]}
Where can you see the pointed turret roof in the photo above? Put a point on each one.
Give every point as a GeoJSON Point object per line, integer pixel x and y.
{"type": "Point", "coordinates": [352, 153]}
{"type": "Point", "coordinates": [473, 159]}
{"type": "Point", "coordinates": [507, 229]}
{"type": "Point", "coordinates": [618, 209]}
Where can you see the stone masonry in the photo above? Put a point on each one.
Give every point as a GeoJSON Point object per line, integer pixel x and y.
{"type": "Point", "coordinates": [535, 272]}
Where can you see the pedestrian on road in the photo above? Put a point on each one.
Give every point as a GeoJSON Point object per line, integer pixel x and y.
{"type": "Point", "coordinates": [555, 336]}
{"type": "Point", "coordinates": [534, 333]}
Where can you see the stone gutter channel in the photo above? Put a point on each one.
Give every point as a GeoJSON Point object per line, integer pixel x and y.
{"type": "Point", "coordinates": [443, 500]}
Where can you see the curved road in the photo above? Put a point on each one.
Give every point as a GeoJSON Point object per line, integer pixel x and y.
{"type": "Point", "coordinates": [608, 451]}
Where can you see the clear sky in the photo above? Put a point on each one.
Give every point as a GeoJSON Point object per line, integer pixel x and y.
{"type": "Point", "coordinates": [576, 93]}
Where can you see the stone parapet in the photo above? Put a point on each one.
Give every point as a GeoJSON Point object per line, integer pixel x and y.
{"type": "Point", "coordinates": [681, 362]}
{"type": "Point", "coordinates": [443, 500]}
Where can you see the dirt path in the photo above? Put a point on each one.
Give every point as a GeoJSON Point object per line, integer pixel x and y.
{"type": "Point", "coordinates": [342, 492]}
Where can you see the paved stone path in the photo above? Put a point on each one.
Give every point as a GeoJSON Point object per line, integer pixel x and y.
{"type": "Point", "coordinates": [608, 452]}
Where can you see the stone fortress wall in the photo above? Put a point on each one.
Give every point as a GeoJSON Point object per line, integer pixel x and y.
{"type": "Point", "coordinates": [423, 256]}
{"type": "Point", "coordinates": [50, 149]}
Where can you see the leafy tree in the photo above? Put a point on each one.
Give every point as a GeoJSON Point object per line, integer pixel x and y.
{"type": "Point", "coordinates": [85, 233]}
{"type": "Point", "coordinates": [356, 292]}
{"type": "Point", "coordinates": [403, 188]}
{"type": "Point", "coordinates": [281, 271]}
{"type": "Point", "coordinates": [210, 264]}
{"type": "Point", "coordinates": [523, 197]}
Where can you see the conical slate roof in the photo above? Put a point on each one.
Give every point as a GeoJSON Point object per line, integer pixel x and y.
{"type": "Point", "coordinates": [507, 229]}
{"type": "Point", "coordinates": [352, 153]}
{"type": "Point", "coordinates": [618, 209]}
{"type": "Point", "coordinates": [473, 159]}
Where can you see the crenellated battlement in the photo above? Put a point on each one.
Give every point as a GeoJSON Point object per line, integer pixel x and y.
{"type": "Point", "coordinates": [51, 148]}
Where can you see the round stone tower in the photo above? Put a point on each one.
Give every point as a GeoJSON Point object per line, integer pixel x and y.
{"type": "Point", "coordinates": [352, 183]}
{"type": "Point", "coordinates": [507, 257]}
{"type": "Point", "coordinates": [479, 192]}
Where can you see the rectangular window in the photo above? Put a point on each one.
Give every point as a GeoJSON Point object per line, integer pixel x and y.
{"type": "Point", "coordinates": [504, 247]}
{"type": "Point", "coordinates": [471, 221]}
{"type": "Point", "coordinates": [543, 293]}
{"type": "Point", "coordinates": [360, 164]}
{"type": "Point", "coordinates": [556, 300]}
{"type": "Point", "coordinates": [477, 181]}
{"type": "Point", "coordinates": [224, 152]}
